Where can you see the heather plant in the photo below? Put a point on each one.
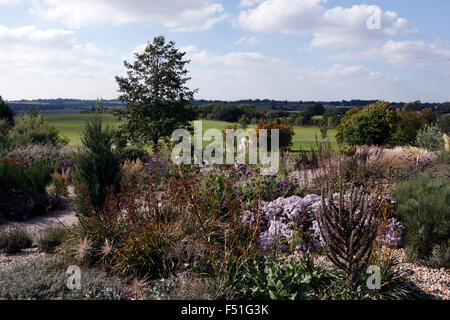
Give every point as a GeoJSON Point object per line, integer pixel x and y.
{"type": "Point", "coordinates": [348, 228]}
{"type": "Point", "coordinates": [423, 210]}
{"type": "Point", "coordinates": [14, 240]}
{"type": "Point", "coordinates": [31, 152]}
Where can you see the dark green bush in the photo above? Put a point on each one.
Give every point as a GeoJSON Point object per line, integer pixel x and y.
{"type": "Point", "coordinates": [22, 179]}
{"type": "Point", "coordinates": [423, 207]}
{"type": "Point", "coordinates": [14, 240]}
{"type": "Point", "coordinates": [98, 166]}
{"type": "Point", "coordinates": [52, 239]}
{"type": "Point", "coordinates": [45, 278]}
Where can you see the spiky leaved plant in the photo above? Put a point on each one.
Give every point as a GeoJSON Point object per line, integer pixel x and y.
{"type": "Point", "coordinates": [348, 228]}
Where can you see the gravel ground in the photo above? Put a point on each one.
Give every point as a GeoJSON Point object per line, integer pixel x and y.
{"type": "Point", "coordinates": [7, 261]}
{"type": "Point", "coordinates": [433, 281]}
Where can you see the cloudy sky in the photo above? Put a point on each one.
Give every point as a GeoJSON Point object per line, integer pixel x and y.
{"type": "Point", "coordinates": [239, 49]}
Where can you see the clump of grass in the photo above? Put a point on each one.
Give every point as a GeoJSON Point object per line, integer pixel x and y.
{"type": "Point", "coordinates": [14, 240]}
{"type": "Point", "coordinates": [52, 239]}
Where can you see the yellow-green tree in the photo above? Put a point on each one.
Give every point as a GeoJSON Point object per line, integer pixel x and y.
{"type": "Point", "coordinates": [372, 125]}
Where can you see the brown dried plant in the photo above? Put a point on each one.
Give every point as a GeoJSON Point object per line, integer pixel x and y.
{"type": "Point", "coordinates": [348, 227]}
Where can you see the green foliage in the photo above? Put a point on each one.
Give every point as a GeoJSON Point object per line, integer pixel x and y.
{"type": "Point", "coordinates": [156, 94]}
{"type": "Point", "coordinates": [45, 278]}
{"type": "Point", "coordinates": [98, 166]}
{"type": "Point", "coordinates": [264, 279]}
{"type": "Point", "coordinates": [6, 114]}
{"type": "Point", "coordinates": [372, 125]}
{"type": "Point", "coordinates": [31, 128]}
{"type": "Point", "coordinates": [304, 118]}
{"type": "Point", "coordinates": [423, 209]}
{"type": "Point", "coordinates": [22, 179]}
{"type": "Point", "coordinates": [443, 123]}
{"type": "Point", "coordinates": [52, 239]}
{"type": "Point", "coordinates": [14, 240]}
{"type": "Point", "coordinates": [430, 138]}
{"type": "Point", "coordinates": [410, 124]}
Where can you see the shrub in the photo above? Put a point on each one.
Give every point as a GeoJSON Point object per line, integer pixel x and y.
{"type": "Point", "coordinates": [25, 207]}
{"type": "Point", "coordinates": [276, 280]}
{"type": "Point", "coordinates": [14, 240]}
{"type": "Point", "coordinates": [443, 123]}
{"type": "Point", "coordinates": [372, 125]}
{"type": "Point", "coordinates": [286, 133]}
{"type": "Point", "coordinates": [52, 239]}
{"type": "Point", "coordinates": [31, 152]}
{"type": "Point", "coordinates": [18, 178]}
{"type": "Point", "coordinates": [430, 138]}
{"type": "Point", "coordinates": [45, 278]}
{"type": "Point", "coordinates": [98, 167]}
{"type": "Point", "coordinates": [6, 114]}
{"type": "Point", "coordinates": [31, 128]}
{"type": "Point", "coordinates": [423, 209]}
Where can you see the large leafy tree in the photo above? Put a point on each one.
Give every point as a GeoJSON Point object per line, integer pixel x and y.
{"type": "Point", "coordinates": [158, 100]}
{"type": "Point", "coordinates": [372, 125]}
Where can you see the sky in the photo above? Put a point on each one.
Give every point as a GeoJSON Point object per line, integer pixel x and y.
{"type": "Point", "coordinates": [239, 49]}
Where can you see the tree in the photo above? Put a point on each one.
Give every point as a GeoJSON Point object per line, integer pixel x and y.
{"type": "Point", "coordinates": [6, 113]}
{"type": "Point", "coordinates": [156, 93]}
{"type": "Point", "coordinates": [286, 133]}
{"type": "Point", "coordinates": [413, 106]}
{"type": "Point", "coordinates": [304, 118]}
{"type": "Point", "coordinates": [244, 121]}
{"type": "Point", "coordinates": [98, 167]}
{"type": "Point", "coordinates": [410, 123]}
{"type": "Point", "coordinates": [372, 125]}
{"type": "Point", "coordinates": [316, 109]}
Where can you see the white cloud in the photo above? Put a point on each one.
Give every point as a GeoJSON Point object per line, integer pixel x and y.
{"type": "Point", "coordinates": [232, 59]}
{"type": "Point", "coordinates": [433, 56]}
{"type": "Point", "coordinates": [177, 14]}
{"type": "Point", "coordinates": [10, 2]}
{"type": "Point", "coordinates": [34, 62]}
{"type": "Point", "coordinates": [249, 3]}
{"type": "Point", "coordinates": [335, 27]}
{"type": "Point", "coordinates": [249, 41]}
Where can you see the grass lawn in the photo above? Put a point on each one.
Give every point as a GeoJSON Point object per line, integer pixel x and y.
{"type": "Point", "coordinates": [70, 125]}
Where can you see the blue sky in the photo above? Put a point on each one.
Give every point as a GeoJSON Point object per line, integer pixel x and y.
{"type": "Point", "coordinates": [239, 49]}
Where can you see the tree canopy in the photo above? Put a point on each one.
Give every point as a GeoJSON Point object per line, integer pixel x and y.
{"type": "Point", "coordinates": [155, 91]}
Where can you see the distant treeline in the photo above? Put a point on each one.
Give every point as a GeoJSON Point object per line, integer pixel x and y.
{"type": "Point", "coordinates": [61, 104]}
{"type": "Point", "coordinates": [260, 105]}
{"type": "Point", "coordinates": [300, 105]}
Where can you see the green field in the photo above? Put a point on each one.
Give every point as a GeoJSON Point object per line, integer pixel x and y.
{"type": "Point", "coordinates": [70, 125]}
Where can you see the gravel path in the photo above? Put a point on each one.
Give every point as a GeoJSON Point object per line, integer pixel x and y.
{"type": "Point", "coordinates": [38, 225]}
